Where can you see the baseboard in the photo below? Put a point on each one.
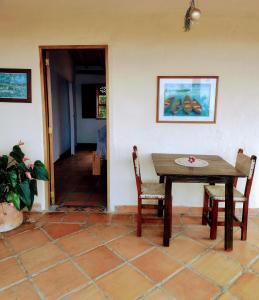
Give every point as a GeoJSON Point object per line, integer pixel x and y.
{"type": "Point", "coordinates": [36, 207]}
{"type": "Point", "coordinates": [86, 146]}
{"type": "Point", "coordinates": [177, 210]}
{"type": "Point", "coordinates": [64, 155]}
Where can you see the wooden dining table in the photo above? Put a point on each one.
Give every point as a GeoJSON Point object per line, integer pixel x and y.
{"type": "Point", "coordinates": [217, 171]}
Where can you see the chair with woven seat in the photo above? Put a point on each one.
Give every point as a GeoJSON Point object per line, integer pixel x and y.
{"type": "Point", "coordinates": [215, 194]}
{"type": "Point", "coordinates": [146, 192]}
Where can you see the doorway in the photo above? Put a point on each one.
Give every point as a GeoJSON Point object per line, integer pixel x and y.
{"type": "Point", "coordinates": [74, 84]}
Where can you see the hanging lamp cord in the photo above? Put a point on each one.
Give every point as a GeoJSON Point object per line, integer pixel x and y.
{"type": "Point", "coordinates": [187, 18]}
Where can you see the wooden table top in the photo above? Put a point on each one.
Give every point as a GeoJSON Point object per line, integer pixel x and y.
{"type": "Point", "coordinates": [165, 165]}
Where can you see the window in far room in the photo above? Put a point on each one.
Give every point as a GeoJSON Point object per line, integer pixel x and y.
{"type": "Point", "coordinates": [93, 101]}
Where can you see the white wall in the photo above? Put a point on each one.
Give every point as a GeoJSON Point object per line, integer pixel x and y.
{"type": "Point", "coordinates": [145, 40]}
{"type": "Point", "coordinates": [87, 129]}
{"type": "Point", "coordinates": [61, 71]}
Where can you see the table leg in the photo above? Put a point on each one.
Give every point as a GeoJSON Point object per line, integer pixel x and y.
{"type": "Point", "coordinates": [229, 214]}
{"type": "Point", "coordinates": [160, 210]}
{"type": "Point", "coordinates": [167, 217]}
{"type": "Point", "coordinates": [171, 216]}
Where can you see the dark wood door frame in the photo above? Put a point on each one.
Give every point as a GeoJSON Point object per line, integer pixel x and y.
{"type": "Point", "coordinates": [48, 147]}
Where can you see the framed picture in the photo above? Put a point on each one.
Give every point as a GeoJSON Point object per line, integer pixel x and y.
{"type": "Point", "coordinates": [101, 102]}
{"type": "Point", "coordinates": [15, 85]}
{"type": "Point", "coordinates": [187, 99]}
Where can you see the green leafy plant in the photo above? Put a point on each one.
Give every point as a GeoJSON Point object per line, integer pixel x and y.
{"type": "Point", "coordinates": [18, 178]}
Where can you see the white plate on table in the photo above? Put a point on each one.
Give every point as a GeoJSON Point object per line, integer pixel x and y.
{"type": "Point", "coordinates": [198, 163]}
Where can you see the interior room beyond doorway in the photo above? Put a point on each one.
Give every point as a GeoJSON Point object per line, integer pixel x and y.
{"type": "Point", "coordinates": [76, 86]}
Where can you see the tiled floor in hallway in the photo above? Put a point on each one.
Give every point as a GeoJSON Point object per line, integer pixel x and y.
{"type": "Point", "coordinates": [76, 186]}
{"type": "Point", "coordinates": [78, 255]}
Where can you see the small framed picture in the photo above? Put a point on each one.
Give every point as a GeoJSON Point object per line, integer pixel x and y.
{"type": "Point", "coordinates": [187, 99]}
{"type": "Point", "coordinates": [101, 102]}
{"type": "Point", "coordinates": [15, 85]}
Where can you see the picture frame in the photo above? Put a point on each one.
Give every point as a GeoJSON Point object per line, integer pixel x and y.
{"type": "Point", "coordinates": [101, 102]}
{"type": "Point", "coordinates": [15, 85]}
{"type": "Point", "coordinates": [187, 99]}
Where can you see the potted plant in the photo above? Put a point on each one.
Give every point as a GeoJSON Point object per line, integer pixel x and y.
{"type": "Point", "coordinates": [18, 186]}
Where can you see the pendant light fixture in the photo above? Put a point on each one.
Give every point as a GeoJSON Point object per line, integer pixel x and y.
{"type": "Point", "coordinates": [192, 14]}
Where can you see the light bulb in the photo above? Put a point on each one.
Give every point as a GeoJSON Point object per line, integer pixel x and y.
{"type": "Point", "coordinates": [195, 14]}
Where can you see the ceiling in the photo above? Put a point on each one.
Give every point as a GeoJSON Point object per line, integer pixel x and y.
{"type": "Point", "coordinates": [212, 7]}
{"type": "Point", "coordinates": [88, 57]}
{"type": "Point", "coordinates": [228, 8]}
{"type": "Point", "coordinates": [88, 60]}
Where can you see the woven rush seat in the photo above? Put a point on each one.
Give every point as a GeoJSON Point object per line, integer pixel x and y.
{"type": "Point", "coordinates": [152, 190]}
{"type": "Point", "coordinates": [218, 192]}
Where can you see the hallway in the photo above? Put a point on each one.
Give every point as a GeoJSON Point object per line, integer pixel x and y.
{"type": "Point", "coordinates": [75, 186]}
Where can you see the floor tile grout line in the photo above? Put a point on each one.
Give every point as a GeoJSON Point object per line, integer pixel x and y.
{"type": "Point", "coordinates": [8, 257]}
{"type": "Point", "coordinates": [55, 241]}
{"type": "Point", "coordinates": [168, 295]}
{"type": "Point", "coordinates": [222, 288]}
{"type": "Point", "coordinates": [113, 239]}
{"type": "Point", "coordinates": [236, 278]}
{"type": "Point", "coordinates": [105, 243]}
{"type": "Point", "coordinates": [148, 292]}
{"type": "Point", "coordinates": [129, 263]}
{"type": "Point", "coordinates": [125, 262]}
{"type": "Point", "coordinates": [133, 258]}
{"type": "Point", "coordinates": [156, 284]}
{"type": "Point", "coordinates": [37, 289]}
{"type": "Point", "coordinates": [30, 276]}
{"type": "Point", "coordinates": [93, 280]}
{"type": "Point", "coordinates": [13, 284]}
{"type": "Point", "coordinates": [188, 265]}
{"type": "Point", "coordinates": [50, 240]}
{"type": "Point", "coordinates": [78, 267]}
{"type": "Point", "coordinates": [49, 267]}
{"type": "Point", "coordinates": [211, 247]}
{"type": "Point", "coordinates": [27, 276]}
{"type": "Point", "coordinates": [154, 246]}
{"type": "Point", "coordinates": [192, 261]}
{"type": "Point", "coordinates": [71, 292]}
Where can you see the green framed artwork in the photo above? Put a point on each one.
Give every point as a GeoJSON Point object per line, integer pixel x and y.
{"type": "Point", "coordinates": [187, 99]}
{"type": "Point", "coordinates": [15, 85]}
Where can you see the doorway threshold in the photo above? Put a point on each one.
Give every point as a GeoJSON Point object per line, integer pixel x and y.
{"type": "Point", "coordinates": [69, 208]}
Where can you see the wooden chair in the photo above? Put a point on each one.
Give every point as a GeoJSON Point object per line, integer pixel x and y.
{"type": "Point", "coordinates": [146, 192]}
{"type": "Point", "coordinates": [215, 194]}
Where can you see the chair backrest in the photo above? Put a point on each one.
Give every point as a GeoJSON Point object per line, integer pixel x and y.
{"type": "Point", "coordinates": [246, 165]}
{"type": "Point", "coordinates": [137, 168]}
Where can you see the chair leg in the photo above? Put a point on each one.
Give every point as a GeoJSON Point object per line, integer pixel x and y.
{"type": "Point", "coordinates": [139, 218]}
{"type": "Point", "coordinates": [244, 221]}
{"type": "Point", "coordinates": [205, 209]}
{"type": "Point", "coordinates": [160, 208]}
{"type": "Point", "coordinates": [214, 220]}
{"type": "Point", "coordinates": [171, 217]}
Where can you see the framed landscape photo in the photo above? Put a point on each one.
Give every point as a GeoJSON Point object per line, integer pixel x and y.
{"type": "Point", "coordinates": [15, 85]}
{"type": "Point", "coordinates": [187, 99]}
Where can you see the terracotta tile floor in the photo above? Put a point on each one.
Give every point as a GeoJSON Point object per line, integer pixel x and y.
{"type": "Point", "coordinates": [76, 186]}
{"type": "Point", "coordinates": [79, 255]}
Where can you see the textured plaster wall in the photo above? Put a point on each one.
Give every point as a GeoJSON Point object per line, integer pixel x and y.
{"type": "Point", "coordinates": [142, 44]}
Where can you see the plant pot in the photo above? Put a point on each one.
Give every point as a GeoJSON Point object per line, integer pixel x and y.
{"type": "Point", "coordinates": [10, 217]}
